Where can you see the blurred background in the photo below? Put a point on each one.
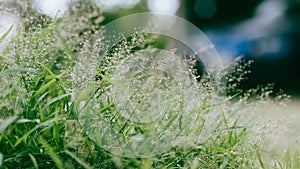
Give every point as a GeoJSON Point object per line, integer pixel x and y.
{"type": "Point", "coordinates": [266, 31]}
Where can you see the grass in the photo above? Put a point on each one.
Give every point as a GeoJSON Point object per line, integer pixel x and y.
{"type": "Point", "coordinates": [40, 125]}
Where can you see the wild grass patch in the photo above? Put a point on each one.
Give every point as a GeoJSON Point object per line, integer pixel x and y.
{"type": "Point", "coordinates": [39, 125]}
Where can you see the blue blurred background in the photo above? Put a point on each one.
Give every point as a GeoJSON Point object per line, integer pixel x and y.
{"type": "Point", "coordinates": [266, 31]}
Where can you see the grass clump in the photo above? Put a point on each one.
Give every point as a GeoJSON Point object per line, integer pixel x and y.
{"type": "Point", "coordinates": [39, 126]}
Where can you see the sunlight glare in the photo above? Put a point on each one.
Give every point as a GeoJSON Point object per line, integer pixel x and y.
{"type": "Point", "coordinates": [52, 8]}
{"type": "Point", "coordinates": [164, 6]}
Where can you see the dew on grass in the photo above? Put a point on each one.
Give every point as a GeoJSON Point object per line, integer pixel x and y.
{"type": "Point", "coordinates": [151, 89]}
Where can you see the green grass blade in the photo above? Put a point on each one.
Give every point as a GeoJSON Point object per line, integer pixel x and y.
{"type": "Point", "coordinates": [56, 99]}
{"type": "Point", "coordinates": [51, 153]}
{"type": "Point", "coordinates": [6, 122]}
{"type": "Point", "coordinates": [238, 127]}
{"type": "Point", "coordinates": [33, 161]}
{"type": "Point", "coordinates": [81, 162]}
{"type": "Point", "coordinates": [35, 128]}
{"type": "Point", "coordinates": [6, 34]}
{"type": "Point", "coordinates": [1, 159]}
{"type": "Point", "coordinates": [10, 71]}
{"type": "Point", "coordinates": [51, 73]}
{"type": "Point", "coordinates": [219, 149]}
{"type": "Point", "coordinates": [43, 88]}
{"type": "Point", "coordinates": [260, 160]}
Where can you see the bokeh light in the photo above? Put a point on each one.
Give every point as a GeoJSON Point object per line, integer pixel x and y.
{"type": "Point", "coordinates": [113, 5]}
{"type": "Point", "coordinates": [165, 6]}
{"type": "Point", "coordinates": [52, 8]}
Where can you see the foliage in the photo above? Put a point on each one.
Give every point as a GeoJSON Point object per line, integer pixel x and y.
{"type": "Point", "coordinates": [39, 126]}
